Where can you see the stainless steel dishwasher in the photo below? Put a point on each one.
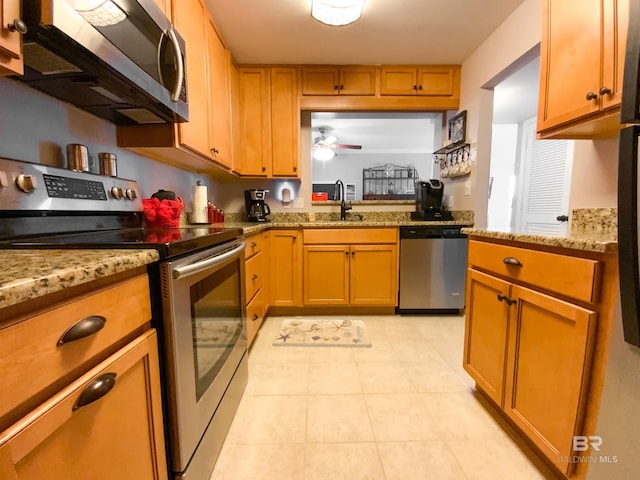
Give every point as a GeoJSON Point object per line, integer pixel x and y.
{"type": "Point", "coordinates": [433, 262]}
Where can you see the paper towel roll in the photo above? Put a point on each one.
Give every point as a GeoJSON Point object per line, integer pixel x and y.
{"type": "Point", "coordinates": [199, 212]}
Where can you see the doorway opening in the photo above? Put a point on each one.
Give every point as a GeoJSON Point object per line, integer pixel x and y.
{"type": "Point", "coordinates": [529, 179]}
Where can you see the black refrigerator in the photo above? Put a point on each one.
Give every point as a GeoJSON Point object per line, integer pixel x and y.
{"type": "Point", "coordinates": [628, 181]}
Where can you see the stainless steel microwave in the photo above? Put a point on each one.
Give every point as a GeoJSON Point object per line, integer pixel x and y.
{"type": "Point", "coordinates": [121, 60]}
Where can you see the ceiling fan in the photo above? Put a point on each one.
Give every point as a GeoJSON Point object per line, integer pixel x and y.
{"type": "Point", "coordinates": [324, 146]}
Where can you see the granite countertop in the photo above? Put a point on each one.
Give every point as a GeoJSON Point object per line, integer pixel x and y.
{"type": "Point", "coordinates": [29, 274]}
{"type": "Point", "coordinates": [252, 227]}
{"type": "Point", "coordinates": [586, 241]}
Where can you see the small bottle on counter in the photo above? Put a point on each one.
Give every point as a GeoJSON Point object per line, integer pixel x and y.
{"type": "Point", "coordinates": [210, 213]}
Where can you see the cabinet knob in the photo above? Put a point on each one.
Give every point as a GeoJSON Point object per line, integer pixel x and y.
{"type": "Point", "coordinates": [255, 317]}
{"type": "Point", "coordinates": [295, 169]}
{"type": "Point", "coordinates": [341, 87]}
{"type": "Point", "coordinates": [17, 26]}
{"type": "Point", "coordinates": [254, 277]}
{"type": "Point", "coordinates": [346, 253]}
{"type": "Point", "coordinates": [254, 244]}
{"type": "Point", "coordinates": [264, 169]}
{"type": "Point", "coordinates": [419, 87]}
{"type": "Point", "coordinates": [353, 253]}
{"type": "Point", "coordinates": [591, 96]}
{"type": "Point", "coordinates": [415, 87]}
{"type": "Point", "coordinates": [507, 300]}
{"type": "Point", "coordinates": [605, 91]}
{"type": "Point", "coordinates": [335, 87]}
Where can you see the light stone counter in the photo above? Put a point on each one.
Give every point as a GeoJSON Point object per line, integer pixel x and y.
{"type": "Point", "coordinates": [28, 274]}
{"type": "Point", "coordinates": [584, 241]}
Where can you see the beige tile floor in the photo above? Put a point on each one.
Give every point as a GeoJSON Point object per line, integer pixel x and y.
{"type": "Point", "coordinates": [403, 409]}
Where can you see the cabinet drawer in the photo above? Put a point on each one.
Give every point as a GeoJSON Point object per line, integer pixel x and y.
{"type": "Point", "coordinates": [254, 273]}
{"type": "Point", "coordinates": [255, 314]}
{"type": "Point", "coordinates": [571, 276]}
{"type": "Point", "coordinates": [35, 361]}
{"type": "Point", "coordinates": [333, 236]}
{"type": "Point", "coordinates": [76, 435]}
{"type": "Point", "coordinates": [255, 244]}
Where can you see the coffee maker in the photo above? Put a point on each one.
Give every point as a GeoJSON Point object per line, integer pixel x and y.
{"type": "Point", "coordinates": [256, 207]}
{"type": "Point", "coordinates": [429, 195]}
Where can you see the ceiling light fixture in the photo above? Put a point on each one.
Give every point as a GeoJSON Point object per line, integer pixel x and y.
{"type": "Point", "coordinates": [323, 154]}
{"type": "Point", "coordinates": [337, 12]}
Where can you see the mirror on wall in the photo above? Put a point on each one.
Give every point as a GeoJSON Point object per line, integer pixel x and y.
{"type": "Point", "coordinates": [350, 146]}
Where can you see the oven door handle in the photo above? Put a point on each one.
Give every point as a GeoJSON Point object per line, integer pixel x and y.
{"type": "Point", "coordinates": [180, 272]}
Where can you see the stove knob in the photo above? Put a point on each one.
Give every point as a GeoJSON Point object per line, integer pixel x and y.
{"type": "Point", "coordinates": [26, 183]}
{"type": "Point", "coordinates": [4, 181]}
{"type": "Point", "coordinates": [117, 193]}
{"type": "Point", "coordinates": [131, 194]}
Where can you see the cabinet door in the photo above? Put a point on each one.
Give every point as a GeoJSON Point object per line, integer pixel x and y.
{"type": "Point", "coordinates": [570, 61]}
{"type": "Point", "coordinates": [616, 23]}
{"type": "Point", "coordinates": [219, 97]}
{"type": "Point", "coordinates": [285, 287]}
{"type": "Point", "coordinates": [326, 274]}
{"type": "Point", "coordinates": [320, 80]}
{"type": "Point", "coordinates": [190, 22]}
{"type": "Point", "coordinates": [398, 80]}
{"type": "Point", "coordinates": [435, 81]}
{"type": "Point", "coordinates": [373, 275]}
{"type": "Point", "coordinates": [254, 147]}
{"type": "Point", "coordinates": [357, 80]}
{"type": "Point", "coordinates": [549, 358]}
{"type": "Point", "coordinates": [285, 122]}
{"type": "Point", "coordinates": [11, 61]}
{"type": "Point", "coordinates": [485, 334]}
{"type": "Point", "coordinates": [118, 435]}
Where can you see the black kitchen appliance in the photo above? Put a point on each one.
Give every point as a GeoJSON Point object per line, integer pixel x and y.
{"type": "Point", "coordinates": [429, 196]}
{"type": "Point", "coordinates": [197, 287]}
{"type": "Point", "coordinates": [628, 181]}
{"type": "Point", "coordinates": [255, 205]}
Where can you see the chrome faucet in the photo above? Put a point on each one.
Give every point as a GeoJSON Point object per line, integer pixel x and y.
{"type": "Point", "coordinates": [338, 194]}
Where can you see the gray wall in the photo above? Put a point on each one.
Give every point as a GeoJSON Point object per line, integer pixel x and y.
{"type": "Point", "coordinates": [36, 128]}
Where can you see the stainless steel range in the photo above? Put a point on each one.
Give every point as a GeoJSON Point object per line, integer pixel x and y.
{"type": "Point", "coordinates": [197, 292]}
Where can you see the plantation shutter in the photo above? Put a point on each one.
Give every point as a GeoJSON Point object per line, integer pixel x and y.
{"type": "Point", "coordinates": [547, 179]}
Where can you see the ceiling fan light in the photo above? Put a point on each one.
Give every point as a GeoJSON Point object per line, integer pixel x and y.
{"type": "Point", "coordinates": [337, 12]}
{"type": "Point", "coordinates": [323, 154]}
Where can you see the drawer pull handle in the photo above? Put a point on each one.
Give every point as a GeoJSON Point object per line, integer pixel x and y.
{"type": "Point", "coordinates": [254, 277]}
{"type": "Point", "coordinates": [82, 328]}
{"type": "Point", "coordinates": [507, 300]}
{"type": "Point", "coordinates": [512, 261]}
{"type": "Point", "coordinates": [97, 389]}
{"type": "Point", "coordinates": [255, 317]}
{"type": "Point", "coordinates": [254, 244]}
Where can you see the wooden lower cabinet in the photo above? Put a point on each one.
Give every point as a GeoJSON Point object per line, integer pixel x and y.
{"type": "Point", "coordinates": [530, 351]}
{"type": "Point", "coordinates": [89, 431]}
{"type": "Point", "coordinates": [285, 280]}
{"type": "Point", "coordinates": [363, 275]}
{"type": "Point", "coordinates": [548, 366]}
{"type": "Point", "coordinates": [485, 343]}
{"type": "Point", "coordinates": [256, 281]}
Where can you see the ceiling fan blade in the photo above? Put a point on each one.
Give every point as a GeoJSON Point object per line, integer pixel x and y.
{"type": "Point", "coordinates": [353, 147]}
{"type": "Point", "coordinates": [330, 139]}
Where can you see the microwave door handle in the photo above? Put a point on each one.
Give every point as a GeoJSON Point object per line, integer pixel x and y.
{"type": "Point", "coordinates": [175, 95]}
{"type": "Point", "coordinates": [159, 58]}
{"type": "Point", "coordinates": [193, 268]}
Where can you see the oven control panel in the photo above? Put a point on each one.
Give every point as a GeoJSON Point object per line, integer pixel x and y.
{"type": "Point", "coordinates": [33, 186]}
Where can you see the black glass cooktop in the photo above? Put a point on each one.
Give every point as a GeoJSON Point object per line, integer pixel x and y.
{"type": "Point", "coordinates": [169, 242]}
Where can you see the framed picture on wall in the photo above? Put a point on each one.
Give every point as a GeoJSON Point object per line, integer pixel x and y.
{"type": "Point", "coordinates": [457, 130]}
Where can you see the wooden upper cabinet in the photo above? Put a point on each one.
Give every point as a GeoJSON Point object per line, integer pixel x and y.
{"type": "Point", "coordinates": [581, 66]}
{"type": "Point", "coordinates": [253, 153]}
{"type": "Point", "coordinates": [11, 61]}
{"type": "Point", "coordinates": [219, 98]}
{"type": "Point", "coordinates": [285, 122]}
{"type": "Point", "coordinates": [189, 20]}
{"type": "Point", "coordinates": [408, 80]}
{"type": "Point", "coordinates": [348, 80]}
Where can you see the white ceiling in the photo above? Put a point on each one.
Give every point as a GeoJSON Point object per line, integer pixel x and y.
{"type": "Point", "coordinates": [389, 32]}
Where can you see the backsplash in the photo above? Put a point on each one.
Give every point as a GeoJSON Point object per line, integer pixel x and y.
{"type": "Point", "coordinates": [595, 222]}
